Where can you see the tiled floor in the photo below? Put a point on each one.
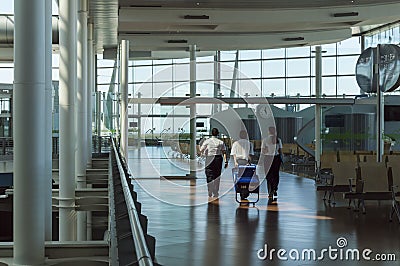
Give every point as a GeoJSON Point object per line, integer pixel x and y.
{"type": "Point", "coordinates": [191, 231]}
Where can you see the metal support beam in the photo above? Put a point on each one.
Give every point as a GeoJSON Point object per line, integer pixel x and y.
{"type": "Point", "coordinates": [318, 114]}
{"type": "Point", "coordinates": [192, 111]}
{"type": "Point", "coordinates": [90, 90]}
{"type": "Point", "coordinates": [217, 80]}
{"type": "Point", "coordinates": [68, 17]}
{"type": "Point", "coordinates": [81, 112]}
{"type": "Point", "coordinates": [234, 77]}
{"type": "Point", "coordinates": [29, 132]}
{"type": "Point", "coordinates": [124, 98]}
{"type": "Point", "coordinates": [48, 158]}
{"type": "Point", "coordinates": [98, 100]}
{"type": "Point", "coordinates": [380, 119]}
{"type": "Point", "coordinates": [139, 121]}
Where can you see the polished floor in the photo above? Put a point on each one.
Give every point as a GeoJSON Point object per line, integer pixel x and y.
{"type": "Point", "coordinates": [191, 230]}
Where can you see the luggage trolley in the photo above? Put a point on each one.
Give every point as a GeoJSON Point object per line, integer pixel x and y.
{"type": "Point", "coordinates": [246, 182]}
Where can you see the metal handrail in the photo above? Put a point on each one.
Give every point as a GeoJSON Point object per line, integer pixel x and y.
{"type": "Point", "coordinates": [142, 252]}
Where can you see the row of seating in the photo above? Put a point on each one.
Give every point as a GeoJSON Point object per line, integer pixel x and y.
{"type": "Point", "coordinates": [328, 158]}
{"type": "Point", "coordinates": [363, 181]}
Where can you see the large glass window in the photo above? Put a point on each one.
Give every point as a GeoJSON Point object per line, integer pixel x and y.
{"type": "Point", "coordinates": [274, 87]}
{"type": "Point", "coordinates": [298, 86]}
{"type": "Point", "coordinates": [298, 67]}
{"type": "Point", "coordinates": [349, 46]}
{"type": "Point", "coordinates": [348, 86]}
{"type": "Point", "coordinates": [205, 71]}
{"type": "Point", "coordinates": [250, 69]}
{"type": "Point", "coordinates": [329, 86]}
{"type": "Point", "coordinates": [347, 65]}
{"type": "Point", "coordinates": [273, 68]}
{"type": "Point", "coordinates": [298, 52]}
{"type": "Point", "coordinates": [249, 54]}
{"type": "Point", "coordinates": [273, 53]}
{"type": "Point", "coordinates": [142, 74]}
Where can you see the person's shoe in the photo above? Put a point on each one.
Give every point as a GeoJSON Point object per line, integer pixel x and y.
{"type": "Point", "coordinates": [275, 193]}
{"type": "Point", "coordinates": [210, 194]}
{"type": "Point", "coordinates": [270, 195]}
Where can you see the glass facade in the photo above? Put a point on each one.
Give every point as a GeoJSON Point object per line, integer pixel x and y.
{"type": "Point", "coordinates": [271, 72]}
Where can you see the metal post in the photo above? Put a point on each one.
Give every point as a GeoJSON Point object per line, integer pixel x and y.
{"type": "Point", "coordinates": [379, 107]}
{"type": "Point", "coordinates": [318, 92]}
{"type": "Point", "coordinates": [90, 89]}
{"type": "Point", "coordinates": [29, 131]}
{"type": "Point", "coordinates": [98, 108]}
{"type": "Point", "coordinates": [81, 153]}
{"type": "Point", "coordinates": [124, 98]}
{"type": "Point", "coordinates": [68, 14]}
{"type": "Point", "coordinates": [192, 49]}
{"type": "Point", "coordinates": [234, 76]}
{"type": "Point", "coordinates": [217, 80]}
{"type": "Point", "coordinates": [48, 120]}
{"type": "Point", "coordinates": [139, 126]}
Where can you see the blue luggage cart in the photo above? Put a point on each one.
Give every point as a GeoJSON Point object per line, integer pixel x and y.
{"type": "Point", "coordinates": [246, 182]}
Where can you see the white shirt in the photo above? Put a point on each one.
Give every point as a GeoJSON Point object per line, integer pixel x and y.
{"type": "Point", "coordinates": [242, 148]}
{"type": "Point", "coordinates": [268, 147]}
{"type": "Point", "coordinates": [212, 146]}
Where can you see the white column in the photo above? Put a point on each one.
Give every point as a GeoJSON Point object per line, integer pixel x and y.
{"type": "Point", "coordinates": [90, 90]}
{"type": "Point", "coordinates": [124, 98]}
{"type": "Point", "coordinates": [192, 50]}
{"type": "Point", "coordinates": [318, 92]}
{"type": "Point", "coordinates": [67, 220]}
{"type": "Point", "coordinates": [49, 127]}
{"type": "Point", "coordinates": [81, 153]}
{"type": "Point", "coordinates": [29, 131]}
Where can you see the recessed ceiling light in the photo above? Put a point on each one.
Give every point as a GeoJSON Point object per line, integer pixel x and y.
{"type": "Point", "coordinates": [196, 17]}
{"type": "Point", "coordinates": [345, 14]}
{"type": "Point", "coordinates": [289, 39]}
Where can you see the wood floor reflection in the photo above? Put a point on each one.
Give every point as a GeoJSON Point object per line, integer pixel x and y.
{"type": "Point", "coordinates": [192, 230]}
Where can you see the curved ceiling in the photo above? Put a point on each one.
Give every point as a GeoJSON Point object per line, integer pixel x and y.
{"type": "Point", "coordinates": [229, 25]}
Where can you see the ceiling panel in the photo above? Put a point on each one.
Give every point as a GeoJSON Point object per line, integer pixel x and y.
{"type": "Point", "coordinates": [269, 4]}
{"type": "Point", "coordinates": [151, 25]}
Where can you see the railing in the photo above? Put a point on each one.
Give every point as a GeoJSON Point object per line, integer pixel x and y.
{"type": "Point", "coordinates": [142, 253]}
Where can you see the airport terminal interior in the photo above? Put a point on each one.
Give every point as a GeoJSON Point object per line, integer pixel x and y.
{"type": "Point", "coordinates": [106, 107]}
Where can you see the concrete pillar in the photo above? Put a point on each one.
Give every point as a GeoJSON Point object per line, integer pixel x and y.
{"type": "Point", "coordinates": [29, 131]}
{"type": "Point", "coordinates": [124, 98]}
{"type": "Point", "coordinates": [192, 49]}
{"type": "Point", "coordinates": [48, 120]}
{"type": "Point", "coordinates": [90, 90]}
{"type": "Point", "coordinates": [81, 153]}
{"type": "Point", "coordinates": [68, 15]}
{"type": "Point", "coordinates": [318, 114]}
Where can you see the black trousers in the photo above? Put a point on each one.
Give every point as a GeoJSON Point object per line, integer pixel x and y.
{"type": "Point", "coordinates": [272, 176]}
{"type": "Point", "coordinates": [213, 172]}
